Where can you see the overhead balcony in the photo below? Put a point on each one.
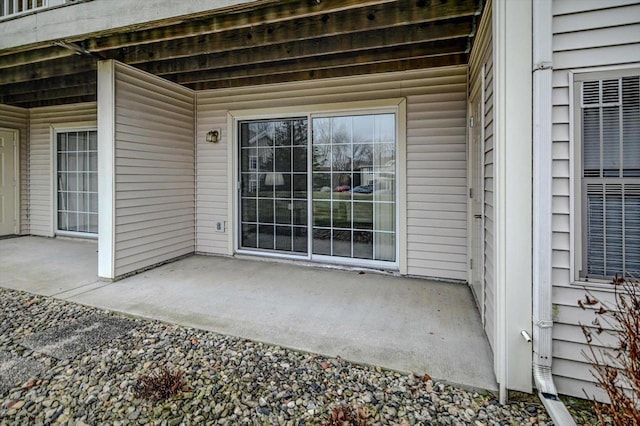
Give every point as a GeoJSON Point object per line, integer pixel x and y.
{"type": "Point", "coordinates": [13, 8]}
{"type": "Point", "coordinates": [28, 23]}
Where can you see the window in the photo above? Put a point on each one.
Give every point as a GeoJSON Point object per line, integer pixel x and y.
{"type": "Point", "coordinates": [609, 134]}
{"type": "Point", "coordinates": [354, 186]}
{"type": "Point", "coordinates": [273, 196]}
{"type": "Point", "coordinates": [321, 187]}
{"type": "Point", "coordinates": [77, 181]}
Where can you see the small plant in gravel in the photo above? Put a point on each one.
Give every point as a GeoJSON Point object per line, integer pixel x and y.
{"type": "Point", "coordinates": [344, 415]}
{"type": "Point", "coordinates": [617, 369]}
{"type": "Point", "coordinates": [160, 384]}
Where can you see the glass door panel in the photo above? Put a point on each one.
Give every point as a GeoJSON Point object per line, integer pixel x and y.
{"type": "Point", "coordinates": [77, 181]}
{"type": "Point", "coordinates": [273, 185]}
{"type": "Point", "coordinates": [354, 187]}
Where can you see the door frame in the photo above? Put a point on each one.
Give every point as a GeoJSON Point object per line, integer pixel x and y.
{"type": "Point", "coordinates": [17, 225]}
{"type": "Point", "coordinates": [65, 128]}
{"type": "Point", "coordinates": [398, 105]}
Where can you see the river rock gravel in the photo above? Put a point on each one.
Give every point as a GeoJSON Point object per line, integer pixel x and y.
{"type": "Point", "coordinates": [228, 380]}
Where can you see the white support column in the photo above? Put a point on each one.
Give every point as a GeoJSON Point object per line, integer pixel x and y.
{"type": "Point", "coordinates": [513, 192]}
{"type": "Point", "coordinates": [106, 170]}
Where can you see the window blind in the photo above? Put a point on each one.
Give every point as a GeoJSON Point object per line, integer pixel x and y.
{"type": "Point", "coordinates": [611, 176]}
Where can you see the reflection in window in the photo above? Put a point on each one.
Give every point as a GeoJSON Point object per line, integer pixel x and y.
{"type": "Point", "coordinates": [273, 185]}
{"type": "Point", "coordinates": [77, 181]}
{"type": "Point", "coordinates": [354, 181]}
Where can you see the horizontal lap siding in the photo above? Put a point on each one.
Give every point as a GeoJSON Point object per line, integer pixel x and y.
{"type": "Point", "coordinates": [154, 166]}
{"type": "Point", "coordinates": [41, 165]}
{"type": "Point", "coordinates": [489, 215]}
{"type": "Point", "coordinates": [586, 35]}
{"type": "Point", "coordinates": [18, 119]}
{"type": "Point", "coordinates": [482, 62]}
{"type": "Point", "coordinates": [436, 152]}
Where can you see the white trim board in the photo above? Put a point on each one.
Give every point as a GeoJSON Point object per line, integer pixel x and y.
{"type": "Point", "coordinates": [55, 129]}
{"type": "Point", "coordinates": [106, 168]}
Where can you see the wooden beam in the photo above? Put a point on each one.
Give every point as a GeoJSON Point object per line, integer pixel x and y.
{"type": "Point", "coordinates": [61, 82]}
{"type": "Point", "coordinates": [50, 94]}
{"type": "Point", "coordinates": [34, 56]}
{"type": "Point", "coordinates": [59, 101]}
{"type": "Point", "coordinates": [389, 54]}
{"type": "Point", "coordinates": [389, 15]}
{"type": "Point", "coordinates": [360, 69]}
{"type": "Point", "coordinates": [41, 70]}
{"type": "Point", "coordinates": [308, 49]}
{"type": "Point", "coordinates": [211, 23]}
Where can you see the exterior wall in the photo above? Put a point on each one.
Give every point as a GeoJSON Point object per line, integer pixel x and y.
{"type": "Point", "coordinates": [18, 118]}
{"type": "Point", "coordinates": [436, 153]}
{"type": "Point", "coordinates": [481, 61]}
{"type": "Point", "coordinates": [586, 35]}
{"type": "Point", "coordinates": [41, 164]}
{"type": "Point", "coordinates": [154, 170]}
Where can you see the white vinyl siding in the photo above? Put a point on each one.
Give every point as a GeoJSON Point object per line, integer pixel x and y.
{"type": "Point", "coordinates": [482, 62]}
{"type": "Point", "coordinates": [586, 35]}
{"type": "Point", "coordinates": [41, 166]}
{"type": "Point", "coordinates": [18, 118]}
{"type": "Point", "coordinates": [436, 153]}
{"type": "Point", "coordinates": [154, 170]}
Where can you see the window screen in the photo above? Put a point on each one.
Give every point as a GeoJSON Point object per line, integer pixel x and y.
{"type": "Point", "coordinates": [610, 121]}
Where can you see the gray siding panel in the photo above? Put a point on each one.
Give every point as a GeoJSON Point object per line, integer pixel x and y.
{"type": "Point", "coordinates": [41, 164]}
{"type": "Point", "coordinates": [436, 152]}
{"type": "Point", "coordinates": [18, 119]}
{"type": "Point", "coordinates": [586, 35]}
{"type": "Point", "coordinates": [154, 169]}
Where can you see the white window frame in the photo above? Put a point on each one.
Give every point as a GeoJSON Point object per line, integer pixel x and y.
{"type": "Point", "coordinates": [395, 105]}
{"type": "Point", "coordinates": [55, 130]}
{"type": "Point", "coordinates": [577, 247]}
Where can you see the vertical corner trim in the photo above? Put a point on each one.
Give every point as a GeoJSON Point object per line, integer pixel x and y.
{"type": "Point", "coordinates": [106, 169]}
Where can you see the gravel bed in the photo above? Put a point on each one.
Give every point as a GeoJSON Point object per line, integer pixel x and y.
{"type": "Point", "coordinates": [228, 380]}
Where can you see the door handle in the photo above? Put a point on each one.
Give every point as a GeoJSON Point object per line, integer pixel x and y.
{"type": "Point", "coordinates": [477, 216]}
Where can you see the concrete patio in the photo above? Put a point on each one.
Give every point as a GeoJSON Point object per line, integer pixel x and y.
{"type": "Point", "coordinates": [405, 324]}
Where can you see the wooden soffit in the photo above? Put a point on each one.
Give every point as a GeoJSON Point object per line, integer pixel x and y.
{"type": "Point", "coordinates": [261, 43]}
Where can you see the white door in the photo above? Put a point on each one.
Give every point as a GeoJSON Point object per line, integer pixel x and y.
{"type": "Point", "coordinates": [8, 183]}
{"type": "Point", "coordinates": [476, 148]}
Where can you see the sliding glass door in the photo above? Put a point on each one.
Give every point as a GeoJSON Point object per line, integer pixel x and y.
{"type": "Point", "coordinates": [354, 187]}
{"type": "Point", "coordinates": [273, 185]}
{"type": "Point", "coordinates": [333, 199]}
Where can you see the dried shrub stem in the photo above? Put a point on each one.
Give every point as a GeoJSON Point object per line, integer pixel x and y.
{"type": "Point", "coordinates": [160, 384]}
{"type": "Point", "coordinates": [344, 415]}
{"type": "Point", "coordinates": [617, 369]}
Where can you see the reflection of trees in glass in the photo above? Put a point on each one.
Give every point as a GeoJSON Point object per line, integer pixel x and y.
{"type": "Point", "coordinates": [362, 155]}
{"type": "Point", "coordinates": [341, 158]}
{"type": "Point", "coordinates": [322, 158]}
{"type": "Point", "coordinates": [266, 135]}
{"type": "Point", "coordinates": [299, 129]}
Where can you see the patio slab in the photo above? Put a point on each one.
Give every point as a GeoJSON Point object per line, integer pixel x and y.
{"type": "Point", "coordinates": [409, 325]}
{"type": "Point", "coordinates": [47, 266]}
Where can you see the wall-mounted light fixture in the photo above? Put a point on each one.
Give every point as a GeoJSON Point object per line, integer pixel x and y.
{"type": "Point", "coordinates": [213, 136]}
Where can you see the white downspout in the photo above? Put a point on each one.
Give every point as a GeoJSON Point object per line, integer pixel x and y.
{"type": "Point", "coordinates": [542, 212]}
